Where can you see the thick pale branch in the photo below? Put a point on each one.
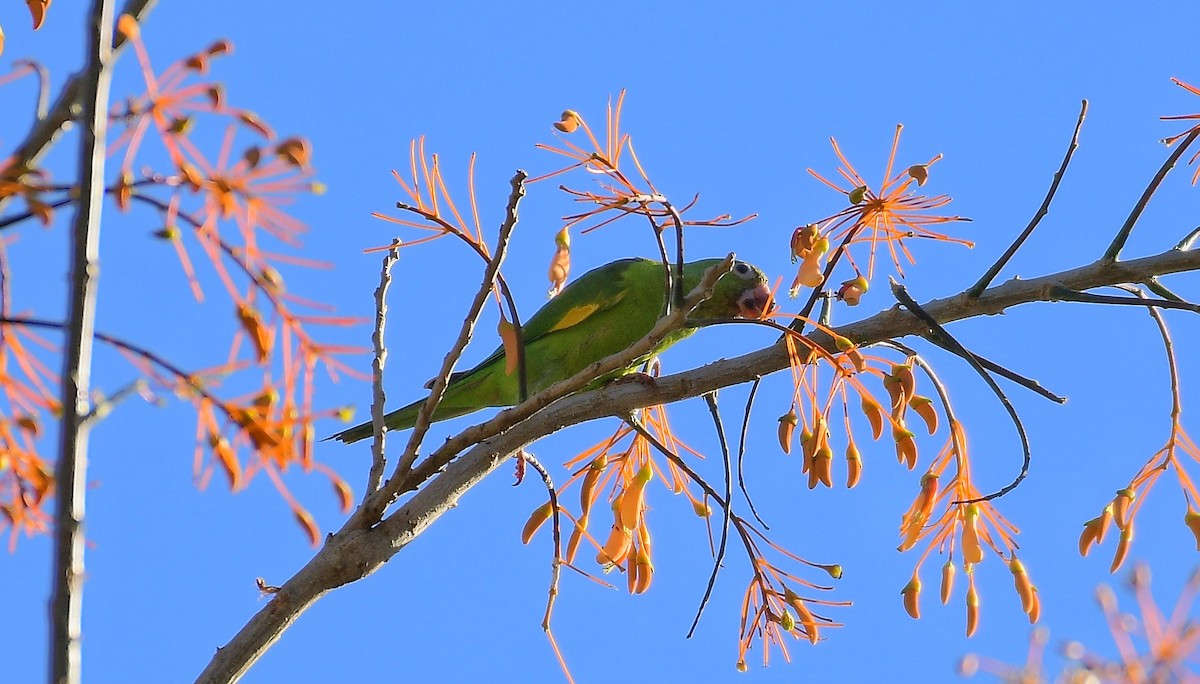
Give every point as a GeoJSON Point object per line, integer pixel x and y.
{"type": "Point", "coordinates": [355, 552]}
{"type": "Point", "coordinates": [70, 472]}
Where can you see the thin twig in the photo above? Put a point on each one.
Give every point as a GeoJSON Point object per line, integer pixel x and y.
{"type": "Point", "coordinates": [1059, 293]}
{"type": "Point", "coordinates": [976, 289]}
{"type": "Point", "coordinates": [739, 524]}
{"type": "Point", "coordinates": [9, 221]}
{"type": "Point", "coordinates": [677, 293]}
{"type": "Point", "coordinates": [1118, 243]}
{"type": "Point", "coordinates": [727, 511]}
{"type": "Point", "coordinates": [425, 416]}
{"type": "Point", "coordinates": [1188, 240]}
{"type": "Point", "coordinates": [42, 103]}
{"type": "Point", "coordinates": [909, 303]}
{"type": "Point", "coordinates": [70, 471]}
{"type": "Point", "coordinates": [556, 564]}
{"type": "Point", "coordinates": [742, 451]}
{"type": "Point", "coordinates": [105, 405]}
{"type": "Point", "coordinates": [378, 397]}
{"type": "Point", "coordinates": [1155, 285]}
{"type": "Point", "coordinates": [1006, 373]}
{"type": "Point", "coordinates": [1169, 348]}
{"type": "Point", "coordinates": [505, 292]}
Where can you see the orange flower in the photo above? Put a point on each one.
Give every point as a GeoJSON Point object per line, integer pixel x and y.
{"type": "Point", "coordinates": [888, 215]}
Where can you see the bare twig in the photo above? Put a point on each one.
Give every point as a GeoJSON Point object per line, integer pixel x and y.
{"type": "Point", "coordinates": [71, 469]}
{"type": "Point", "coordinates": [726, 515]}
{"type": "Point", "coordinates": [1007, 373]}
{"type": "Point", "coordinates": [378, 397]}
{"type": "Point", "coordinates": [742, 451]}
{"type": "Point", "coordinates": [481, 250]}
{"type": "Point", "coordinates": [556, 564]}
{"type": "Point", "coordinates": [1155, 285]}
{"type": "Point", "coordinates": [909, 303]}
{"type": "Point", "coordinates": [464, 337]}
{"type": "Point", "coordinates": [992, 272]}
{"type": "Point", "coordinates": [42, 104]}
{"type": "Point", "coordinates": [105, 405]}
{"type": "Point", "coordinates": [1188, 240]}
{"type": "Point", "coordinates": [1068, 295]}
{"type": "Point", "coordinates": [1118, 243]}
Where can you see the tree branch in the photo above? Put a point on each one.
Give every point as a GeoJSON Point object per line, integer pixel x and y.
{"type": "Point", "coordinates": [66, 603]}
{"type": "Point", "coordinates": [355, 552]}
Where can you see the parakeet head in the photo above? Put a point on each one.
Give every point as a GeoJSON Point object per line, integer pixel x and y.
{"type": "Point", "coordinates": [741, 293]}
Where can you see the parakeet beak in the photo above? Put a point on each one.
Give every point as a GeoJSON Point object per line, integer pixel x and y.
{"type": "Point", "coordinates": [754, 303]}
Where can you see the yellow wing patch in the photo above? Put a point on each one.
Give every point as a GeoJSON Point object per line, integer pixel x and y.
{"type": "Point", "coordinates": [575, 316]}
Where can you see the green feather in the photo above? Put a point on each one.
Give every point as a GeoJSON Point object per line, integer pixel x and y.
{"type": "Point", "coordinates": [601, 313]}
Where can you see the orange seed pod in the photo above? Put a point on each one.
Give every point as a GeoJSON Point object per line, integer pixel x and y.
{"type": "Point", "coordinates": [589, 485]}
{"type": "Point", "coordinates": [803, 614]}
{"type": "Point", "coordinates": [569, 121]}
{"type": "Point", "coordinates": [560, 263]}
{"type": "Point", "coordinates": [822, 465]}
{"type": "Point", "coordinates": [1106, 517]}
{"type": "Point", "coordinates": [787, 427]}
{"type": "Point", "coordinates": [972, 608]}
{"type": "Point", "coordinates": [906, 446]}
{"type": "Point", "coordinates": [923, 406]}
{"type": "Point", "coordinates": [1120, 504]}
{"type": "Point", "coordinates": [947, 588]}
{"type": "Point", "coordinates": [536, 519]}
{"type": "Point", "coordinates": [1089, 536]}
{"type": "Point", "coordinates": [508, 339]}
{"type": "Point", "coordinates": [853, 465]}
{"type": "Point", "coordinates": [874, 414]}
{"type": "Point", "coordinates": [645, 572]}
{"type": "Point", "coordinates": [635, 497]}
{"type": "Point", "coordinates": [1123, 543]}
{"type": "Point", "coordinates": [1021, 584]}
{"type": "Point", "coordinates": [911, 593]}
{"type": "Point", "coordinates": [616, 548]}
{"type": "Point", "coordinates": [972, 549]}
{"type": "Point", "coordinates": [1192, 520]}
{"type": "Point", "coordinates": [1035, 610]}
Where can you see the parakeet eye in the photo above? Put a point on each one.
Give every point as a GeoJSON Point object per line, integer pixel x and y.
{"type": "Point", "coordinates": [742, 269]}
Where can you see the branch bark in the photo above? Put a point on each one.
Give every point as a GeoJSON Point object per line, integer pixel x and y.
{"type": "Point", "coordinates": [71, 469]}
{"type": "Point", "coordinates": [356, 551]}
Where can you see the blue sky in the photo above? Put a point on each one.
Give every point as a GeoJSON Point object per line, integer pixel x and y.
{"type": "Point", "coordinates": [734, 104]}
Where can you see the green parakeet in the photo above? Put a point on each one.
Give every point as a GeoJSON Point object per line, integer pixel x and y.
{"type": "Point", "coordinates": [601, 313]}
